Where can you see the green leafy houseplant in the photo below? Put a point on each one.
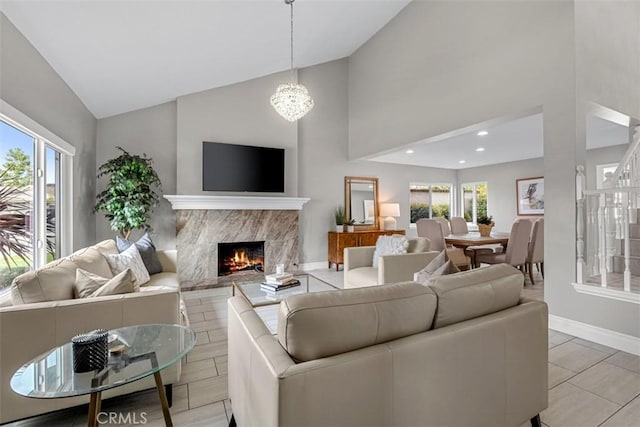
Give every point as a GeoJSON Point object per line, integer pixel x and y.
{"type": "Point", "coordinates": [131, 194]}
{"type": "Point", "coordinates": [340, 217]}
{"type": "Point", "coordinates": [486, 220]}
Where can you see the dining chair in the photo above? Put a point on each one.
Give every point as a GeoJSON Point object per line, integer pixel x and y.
{"type": "Point", "coordinates": [536, 249]}
{"type": "Point", "coordinates": [458, 225]}
{"type": "Point", "coordinates": [517, 248]}
{"type": "Point", "coordinates": [444, 223]}
{"type": "Point", "coordinates": [432, 229]}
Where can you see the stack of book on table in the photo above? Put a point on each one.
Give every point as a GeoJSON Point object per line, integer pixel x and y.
{"type": "Point", "coordinates": [278, 282]}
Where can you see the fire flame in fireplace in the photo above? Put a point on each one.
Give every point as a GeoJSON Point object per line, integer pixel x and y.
{"type": "Point", "coordinates": [241, 261]}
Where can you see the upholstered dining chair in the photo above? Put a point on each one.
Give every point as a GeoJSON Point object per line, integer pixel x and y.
{"type": "Point", "coordinates": [458, 225]}
{"type": "Point", "coordinates": [444, 224]}
{"type": "Point", "coordinates": [431, 229]}
{"type": "Point", "coordinates": [517, 248]}
{"type": "Point", "coordinates": [536, 249]}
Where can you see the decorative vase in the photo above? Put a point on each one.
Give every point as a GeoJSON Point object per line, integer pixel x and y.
{"type": "Point", "coordinates": [485, 230]}
{"type": "Point", "coordinates": [351, 228]}
{"type": "Point", "coordinates": [339, 228]}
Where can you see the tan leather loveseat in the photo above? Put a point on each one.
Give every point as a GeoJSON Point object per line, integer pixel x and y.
{"type": "Point", "coordinates": [27, 330]}
{"type": "Point", "coordinates": [464, 351]}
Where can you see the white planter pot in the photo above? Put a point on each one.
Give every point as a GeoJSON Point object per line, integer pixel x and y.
{"type": "Point", "coordinates": [351, 228]}
{"type": "Point", "coordinates": [339, 228]}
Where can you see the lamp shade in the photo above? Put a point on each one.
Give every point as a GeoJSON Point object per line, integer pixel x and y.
{"type": "Point", "coordinates": [390, 209]}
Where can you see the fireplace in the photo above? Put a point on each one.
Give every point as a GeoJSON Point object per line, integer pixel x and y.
{"type": "Point", "coordinates": [238, 257]}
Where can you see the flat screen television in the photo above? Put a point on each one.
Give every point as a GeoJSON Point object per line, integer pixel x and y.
{"type": "Point", "coordinates": [231, 167]}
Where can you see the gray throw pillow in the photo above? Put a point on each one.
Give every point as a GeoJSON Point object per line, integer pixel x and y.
{"type": "Point", "coordinates": [147, 251]}
{"type": "Point", "coordinates": [439, 266]}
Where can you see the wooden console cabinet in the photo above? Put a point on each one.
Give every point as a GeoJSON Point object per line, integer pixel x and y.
{"type": "Point", "coordinates": [339, 241]}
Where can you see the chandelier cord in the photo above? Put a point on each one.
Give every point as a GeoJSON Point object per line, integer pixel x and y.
{"type": "Point", "coordinates": [291, 39]}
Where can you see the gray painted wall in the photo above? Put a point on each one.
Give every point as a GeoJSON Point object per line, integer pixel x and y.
{"type": "Point", "coordinates": [151, 131]}
{"type": "Point", "coordinates": [235, 114]}
{"type": "Point", "coordinates": [28, 83]}
{"type": "Point", "coordinates": [441, 66]}
{"type": "Point", "coordinates": [323, 162]}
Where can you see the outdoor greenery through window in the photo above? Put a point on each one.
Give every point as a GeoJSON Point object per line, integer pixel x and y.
{"type": "Point", "coordinates": [474, 201]}
{"type": "Point", "coordinates": [29, 202]}
{"type": "Point", "coordinates": [429, 201]}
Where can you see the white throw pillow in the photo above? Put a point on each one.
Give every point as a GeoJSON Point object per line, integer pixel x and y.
{"type": "Point", "coordinates": [439, 266]}
{"type": "Point", "coordinates": [129, 258]}
{"type": "Point", "coordinates": [390, 245]}
{"type": "Point", "coordinates": [89, 284]}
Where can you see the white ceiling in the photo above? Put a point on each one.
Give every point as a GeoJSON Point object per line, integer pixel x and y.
{"type": "Point", "coordinates": [513, 140]}
{"type": "Point", "coordinates": [119, 56]}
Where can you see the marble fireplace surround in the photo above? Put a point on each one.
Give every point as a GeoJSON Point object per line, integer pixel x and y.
{"type": "Point", "coordinates": [203, 221]}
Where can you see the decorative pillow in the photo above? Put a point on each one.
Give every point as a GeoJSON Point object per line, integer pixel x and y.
{"type": "Point", "coordinates": [439, 266]}
{"type": "Point", "coordinates": [147, 251]}
{"type": "Point", "coordinates": [91, 285]}
{"type": "Point", "coordinates": [389, 245]}
{"type": "Point", "coordinates": [130, 258]}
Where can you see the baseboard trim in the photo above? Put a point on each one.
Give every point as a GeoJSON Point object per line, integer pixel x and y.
{"type": "Point", "coordinates": [596, 334]}
{"type": "Point", "coordinates": [308, 266]}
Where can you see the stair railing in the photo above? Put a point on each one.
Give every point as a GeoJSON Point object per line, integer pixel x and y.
{"type": "Point", "coordinates": [603, 221]}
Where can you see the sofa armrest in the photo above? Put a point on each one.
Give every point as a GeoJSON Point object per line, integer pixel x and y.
{"type": "Point", "coordinates": [357, 257]}
{"type": "Point", "coordinates": [169, 260]}
{"type": "Point", "coordinates": [257, 363]}
{"type": "Point", "coordinates": [400, 268]}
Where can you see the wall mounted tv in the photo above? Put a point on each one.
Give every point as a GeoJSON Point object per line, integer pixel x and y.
{"type": "Point", "coordinates": [231, 167]}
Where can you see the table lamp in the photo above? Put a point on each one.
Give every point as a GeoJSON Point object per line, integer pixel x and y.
{"type": "Point", "coordinates": [389, 210]}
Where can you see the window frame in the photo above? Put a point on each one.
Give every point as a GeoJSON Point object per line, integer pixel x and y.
{"type": "Point", "coordinates": [474, 212]}
{"type": "Point", "coordinates": [43, 138]}
{"type": "Point", "coordinates": [452, 197]}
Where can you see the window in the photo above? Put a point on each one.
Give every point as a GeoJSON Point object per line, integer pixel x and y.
{"type": "Point", "coordinates": [474, 201]}
{"type": "Point", "coordinates": [429, 201]}
{"type": "Point", "coordinates": [35, 196]}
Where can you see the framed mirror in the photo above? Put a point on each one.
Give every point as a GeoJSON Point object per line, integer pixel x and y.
{"type": "Point", "coordinates": [361, 201]}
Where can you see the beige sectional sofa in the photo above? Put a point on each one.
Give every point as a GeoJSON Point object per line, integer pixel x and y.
{"type": "Point", "coordinates": [27, 330]}
{"type": "Point", "coordinates": [463, 351]}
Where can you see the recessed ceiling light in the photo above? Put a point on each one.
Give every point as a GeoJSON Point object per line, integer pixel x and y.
{"type": "Point", "coordinates": [480, 149]}
{"type": "Point", "coordinates": [462, 161]}
{"type": "Point", "coordinates": [482, 133]}
{"type": "Point", "coordinates": [409, 151]}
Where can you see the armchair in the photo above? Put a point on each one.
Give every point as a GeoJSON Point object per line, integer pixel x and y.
{"type": "Point", "coordinates": [359, 270]}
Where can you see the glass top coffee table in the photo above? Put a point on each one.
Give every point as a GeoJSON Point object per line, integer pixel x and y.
{"type": "Point", "coordinates": [257, 297]}
{"type": "Point", "coordinates": [148, 349]}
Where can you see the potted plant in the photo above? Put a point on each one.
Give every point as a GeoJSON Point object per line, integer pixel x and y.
{"type": "Point", "coordinates": [485, 224]}
{"type": "Point", "coordinates": [351, 225]}
{"type": "Point", "coordinates": [339, 214]}
{"type": "Point", "coordinates": [131, 194]}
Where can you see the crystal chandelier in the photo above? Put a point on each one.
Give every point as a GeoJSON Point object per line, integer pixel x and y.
{"type": "Point", "coordinates": [292, 100]}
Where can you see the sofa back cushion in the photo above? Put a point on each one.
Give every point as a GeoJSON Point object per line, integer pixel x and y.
{"type": "Point", "coordinates": [418, 244]}
{"type": "Point", "coordinates": [55, 281]}
{"type": "Point", "coordinates": [321, 324]}
{"type": "Point", "coordinates": [474, 293]}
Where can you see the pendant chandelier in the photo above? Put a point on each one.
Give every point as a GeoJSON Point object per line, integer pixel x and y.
{"type": "Point", "coordinates": [292, 100]}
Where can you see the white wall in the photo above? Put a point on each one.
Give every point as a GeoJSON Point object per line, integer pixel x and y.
{"type": "Point", "coordinates": [235, 114]}
{"type": "Point", "coordinates": [151, 131]}
{"type": "Point", "coordinates": [323, 161]}
{"type": "Point", "coordinates": [28, 83]}
{"type": "Point", "coordinates": [441, 66]}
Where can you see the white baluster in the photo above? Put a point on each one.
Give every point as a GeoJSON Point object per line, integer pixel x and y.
{"type": "Point", "coordinates": [627, 243]}
{"type": "Point", "coordinates": [602, 239]}
{"type": "Point", "coordinates": [580, 187]}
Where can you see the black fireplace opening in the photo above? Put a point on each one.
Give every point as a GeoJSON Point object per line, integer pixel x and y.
{"type": "Point", "coordinates": [237, 257]}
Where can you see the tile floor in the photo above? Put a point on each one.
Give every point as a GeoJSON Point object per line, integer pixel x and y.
{"type": "Point", "coordinates": [589, 384]}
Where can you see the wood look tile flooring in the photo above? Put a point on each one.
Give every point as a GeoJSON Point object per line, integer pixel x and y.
{"type": "Point", "coordinates": [589, 384]}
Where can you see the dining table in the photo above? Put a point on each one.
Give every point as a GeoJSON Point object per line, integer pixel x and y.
{"type": "Point", "coordinates": [473, 241]}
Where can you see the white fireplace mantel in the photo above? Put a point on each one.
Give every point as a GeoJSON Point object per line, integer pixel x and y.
{"type": "Point", "coordinates": [207, 202]}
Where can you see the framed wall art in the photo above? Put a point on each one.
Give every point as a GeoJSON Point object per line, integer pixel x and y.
{"type": "Point", "coordinates": [530, 196]}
